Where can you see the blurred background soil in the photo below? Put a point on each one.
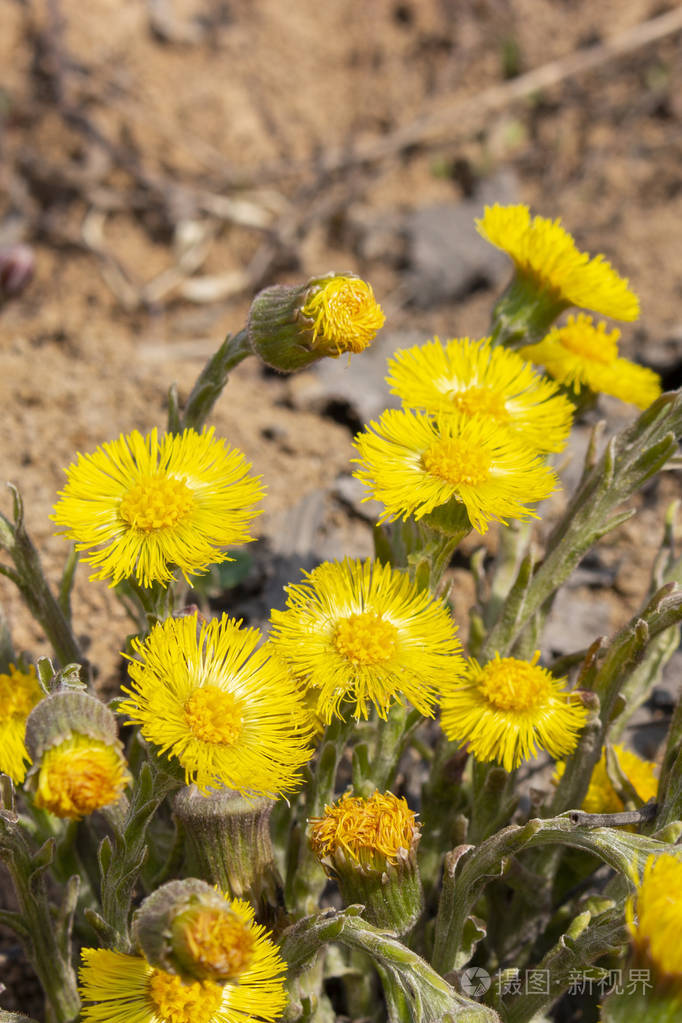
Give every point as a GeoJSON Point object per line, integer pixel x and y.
{"type": "Point", "coordinates": [167, 159]}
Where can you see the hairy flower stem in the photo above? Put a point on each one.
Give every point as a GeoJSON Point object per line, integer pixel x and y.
{"type": "Point", "coordinates": [29, 579]}
{"type": "Point", "coordinates": [45, 933]}
{"type": "Point", "coordinates": [378, 772]}
{"type": "Point", "coordinates": [305, 878]}
{"type": "Point", "coordinates": [492, 801]}
{"type": "Point", "coordinates": [209, 384]}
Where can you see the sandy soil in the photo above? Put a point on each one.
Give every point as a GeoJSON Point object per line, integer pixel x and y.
{"type": "Point", "coordinates": [155, 154]}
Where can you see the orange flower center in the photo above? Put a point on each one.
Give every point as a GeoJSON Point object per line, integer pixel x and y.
{"type": "Point", "coordinates": [591, 343]}
{"type": "Point", "coordinates": [512, 685]}
{"type": "Point", "coordinates": [366, 638]}
{"type": "Point", "coordinates": [157, 502]}
{"type": "Point", "coordinates": [214, 715]}
{"type": "Point", "coordinates": [456, 461]}
{"type": "Point", "coordinates": [177, 1002]}
{"type": "Point", "coordinates": [218, 941]}
{"type": "Point", "coordinates": [80, 776]}
{"type": "Point", "coordinates": [481, 401]}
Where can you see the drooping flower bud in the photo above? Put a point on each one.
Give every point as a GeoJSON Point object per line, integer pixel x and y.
{"type": "Point", "coordinates": [78, 763]}
{"type": "Point", "coordinates": [190, 929]}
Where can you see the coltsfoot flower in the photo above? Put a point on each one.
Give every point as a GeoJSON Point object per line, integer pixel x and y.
{"type": "Point", "coordinates": [344, 313]}
{"type": "Point", "coordinates": [370, 846]}
{"type": "Point", "coordinates": [78, 764]}
{"type": "Point", "coordinates": [119, 988]}
{"type": "Point", "coordinates": [145, 505]}
{"type": "Point", "coordinates": [20, 691]}
{"type": "Point", "coordinates": [372, 832]}
{"type": "Point", "coordinates": [80, 775]}
{"type": "Point", "coordinates": [360, 633]}
{"type": "Point", "coordinates": [548, 260]}
{"type": "Point", "coordinates": [601, 797]}
{"type": "Point", "coordinates": [290, 328]}
{"type": "Point", "coordinates": [472, 378]}
{"type": "Point", "coordinates": [581, 354]}
{"type": "Point", "coordinates": [655, 920]}
{"type": "Point", "coordinates": [508, 709]}
{"type": "Point", "coordinates": [230, 712]}
{"type": "Point", "coordinates": [414, 464]}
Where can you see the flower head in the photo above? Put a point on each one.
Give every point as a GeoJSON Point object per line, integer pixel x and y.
{"type": "Point", "coordinates": [372, 832]}
{"type": "Point", "coordinates": [370, 847]}
{"type": "Point", "coordinates": [231, 713]}
{"type": "Point", "coordinates": [143, 505]}
{"type": "Point", "coordinates": [656, 928]}
{"type": "Point", "coordinates": [80, 775]}
{"type": "Point", "coordinates": [344, 313]}
{"type": "Point", "coordinates": [583, 355]}
{"type": "Point", "coordinates": [414, 464]}
{"type": "Point", "coordinates": [292, 327]}
{"type": "Point", "coordinates": [20, 691]}
{"type": "Point", "coordinates": [507, 709]}
{"type": "Point", "coordinates": [120, 988]}
{"type": "Point", "coordinates": [359, 632]}
{"type": "Point", "coordinates": [472, 378]}
{"type": "Point", "coordinates": [601, 797]}
{"type": "Point", "coordinates": [549, 263]}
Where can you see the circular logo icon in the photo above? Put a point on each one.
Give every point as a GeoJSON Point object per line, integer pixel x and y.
{"type": "Point", "coordinates": [475, 981]}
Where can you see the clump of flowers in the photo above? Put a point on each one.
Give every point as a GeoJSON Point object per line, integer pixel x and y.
{"type": "Point", "coordinates": [336, 816]}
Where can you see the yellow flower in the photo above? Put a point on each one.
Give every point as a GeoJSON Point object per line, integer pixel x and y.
{"type": "Point", "coordinates": [414, 464]}
{"type": "Point", "coordinates": [472, 378]}
{"type": "Point", "coordinates": [582, 355]}
{"type": "Point", "coordinates": [507, 709]}
{"type": "Point", "coordinates": [143, 505]}
{"type": "Point", "coordinates": [601, 797]}
{"type": "Point", "coordinates": [80, 775]}
{"type": "Point", "coordinates": [20, 691]}
{"type": "Point", "coordinates": [123, 988]}
{"type": "Point", "coordinates": [343, 313]}
{"type": "Point", "coordinates": [656, 928]}
{"type": "Point", "coordinates": [372, 832]}
{"type": "Point", "coordinates": [231, 714]}
{"type": "Point", "coordinates": [548, 263]}
{"type": "Point", "coordinates": [359, 632]}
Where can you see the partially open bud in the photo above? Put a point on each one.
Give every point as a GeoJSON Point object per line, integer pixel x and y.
{"type": "Point", "coordinates": [78, 763]}
{"type": "Point", "coordinates": [370, 846]}
{"type": "Point", "coordinates": [229, 844]}
{"type": "Point", "coordinates": [292, 327]}
{"type": "Point", "coordinates": [190, 929]}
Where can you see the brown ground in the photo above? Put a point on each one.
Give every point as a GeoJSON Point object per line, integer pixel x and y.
{"type": "Point", "coordinates": [135, 135]}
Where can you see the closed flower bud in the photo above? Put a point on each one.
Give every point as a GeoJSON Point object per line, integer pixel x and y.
{"type": "Point", "coordinates": [292, 327]}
